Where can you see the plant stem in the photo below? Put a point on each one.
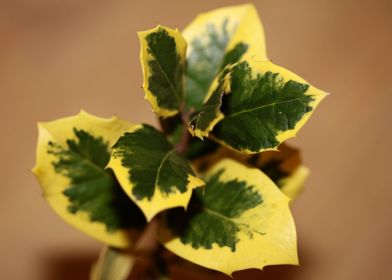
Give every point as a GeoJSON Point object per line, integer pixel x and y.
{"type": "Point", "coordinates": [147, 252]}
{"type": "Point", "coordinates": [182, 146]}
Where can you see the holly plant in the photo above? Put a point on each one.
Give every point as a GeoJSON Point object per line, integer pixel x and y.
{"type": "Point", "coordinates": [213, 185]}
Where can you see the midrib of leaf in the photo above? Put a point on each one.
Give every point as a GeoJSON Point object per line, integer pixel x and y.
{"type": "Point", "coordinates": [234, 221]}
{"type": "Point", "coordinates": [160, 166]}
{"type": "Point", "coordinates": [262, 107]}
{"type": "Point", "coordinates": [177, 95]}
{"type": "Point", "coordinates": [87, 159]}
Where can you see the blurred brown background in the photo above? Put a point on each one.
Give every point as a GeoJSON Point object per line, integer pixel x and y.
{"type": "Point", "coordinates": [57, 57]}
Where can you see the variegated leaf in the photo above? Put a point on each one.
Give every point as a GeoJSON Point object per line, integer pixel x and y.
{"type": "Point", "coordinates": [150, 171]}
{"type": "Point", "coordinates": [162, 58]}
{"type": "Point", "coordinates": [218, 38]}
{"type": "Point", "coordinates": [240, 221]}
{"type": "Point", "coordinates": [72, 154]}
{"type": "Point", "coordinates": [267, 105]}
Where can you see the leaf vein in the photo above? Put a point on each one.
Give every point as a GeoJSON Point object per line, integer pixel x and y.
{"type": "Point", "coordinates": [215, 213]}
{"type": "Point", "coordinates": [160, 166]}
{"type": "Point", "coordinates": [262, 107]}
{"type": "Point", "coordinates": [176, 93]}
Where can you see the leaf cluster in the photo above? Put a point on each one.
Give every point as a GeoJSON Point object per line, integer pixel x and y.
{"type": "Point", "coordinates": [210, 185]}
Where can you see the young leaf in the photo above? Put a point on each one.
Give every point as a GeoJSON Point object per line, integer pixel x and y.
{"type": "Point", "coordinates": [153, 175]}
{"type": "Point", "coordinates": [162, 58]}
{"type": "Point", "coordinates": [267, 105]}
{"type": "Point", "coordinates": [241, 221]}
{"type": "Point", "coordinates": [72, 154]}
{"type": "Point", "coordinates": [218, 38]}
{"type": "Point", "coordinates": [203, 121]}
